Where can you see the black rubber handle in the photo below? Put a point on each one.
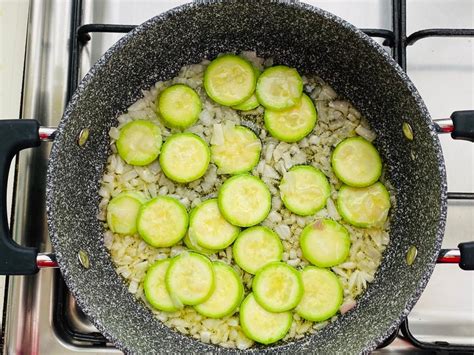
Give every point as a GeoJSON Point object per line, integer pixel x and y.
{"type": "Point", "coordinates": [467, 255]}
{"type": "Point", "coordinates": [15, 135]}
{"type": "Point", "coordinates": [463, 122]}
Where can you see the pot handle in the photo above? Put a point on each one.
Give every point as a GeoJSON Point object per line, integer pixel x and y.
{"type": "Point", "coordinates": [464, 256]}
{"type": "Point", "coordinates": [460, 125]}
{"type": "Point", "coordinates": [15, 135]}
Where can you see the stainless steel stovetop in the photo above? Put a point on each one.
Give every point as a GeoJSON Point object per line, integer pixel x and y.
{"type": "Point", "coordinates": [40, 315]}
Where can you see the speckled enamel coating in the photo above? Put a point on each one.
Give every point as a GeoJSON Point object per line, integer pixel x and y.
{"type": "Point", "coordinates": [299, 35]}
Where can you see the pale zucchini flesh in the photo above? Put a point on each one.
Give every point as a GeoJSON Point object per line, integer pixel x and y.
{"type": "Point", "coordinates": [227, 295]}
{"type": "Point", "coordinates": [279, 88]}
{"type": "Point", "coordinates": [238, 152]}
{"type": "Point", "coordinates": [325, 243]}
{"type": "Point", "coordinates": [277, 287]}
{"type": "Point", "coordinates": [155, 289]}
{"type": "Point", "coordinates": [139, 142]}
{"type": "Point", "coordinates": [294, 123]}
{"type": "Point", "coordinates": [229, 80]}
{"type": "Point", "coordinates": [162, 221]}
{"type": "Point", "coordinates": [184, 157]}
{"type": "Point", "coordinates": [255, 247]}
{"type": "Point", "coordinates": [364, 206]}
{"type": "Point", "coordinates": [322, 296]}
{"type": "Point", "coordinates": [193, 245]}
{"type": "Point", "coordinates": [179, 106]}
{"type": "Point", "coordinates": [261, 325]}
{"type": "Point", "coordinates": [252, 102]}
{"type": "Point", "coordinates": [122, 213]}
{"type": "Point", "coordinates": [356, 162]}
{"type": "Point", "coordinates": [209, 228]}
{"type": "Point", "coordinates": [190, 278]}
{"type": "Point", "coordinates": [244, 200]}
{"type": "Point", "coordinates": [304, 190]}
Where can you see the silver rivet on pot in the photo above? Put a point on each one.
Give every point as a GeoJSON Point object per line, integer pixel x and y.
{"type": "Point", "coordinates": [83, 259]}
{"type": "Point", "coordinates": [411, 255]}
{"type": "Point", "coordinates": [407, 131]}
{"type": "Point", "coordinates": [83, 137]}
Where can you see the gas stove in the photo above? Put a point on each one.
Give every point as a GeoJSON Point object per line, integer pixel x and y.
{"type": "Point", "coordinates": [65, 37]}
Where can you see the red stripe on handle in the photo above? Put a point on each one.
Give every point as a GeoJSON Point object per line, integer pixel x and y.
{"type": "Point", "coordinates": [46, 263]}
{"type": "Point", "coordinates": [449, 259]}
{"type": "Point", "coordinates": [43, 135]}
{"type": "Point", "coordinates": [447, 128]}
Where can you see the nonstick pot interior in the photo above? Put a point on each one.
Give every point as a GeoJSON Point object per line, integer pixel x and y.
{"type": "Point", "coordinates": [298, 35]}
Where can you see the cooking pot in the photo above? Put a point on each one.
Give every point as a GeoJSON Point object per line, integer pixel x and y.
{"type": "Point", "coordinates": [298, 35]}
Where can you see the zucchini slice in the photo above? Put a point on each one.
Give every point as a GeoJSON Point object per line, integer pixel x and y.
{"type": "Point", "coordinates": [139, 142]}
{"type": "Point", "coordinates": [250, 104]}
{"type": "Point", "coordinates": [325, 243]}
{"type": "Point", "coordinates": [239, 151]}
{"type": "Point", "coordinates": [122, 212]}
{"type": "Point", "coordinates": [209, 229]}
{"type": "Point", "coordinates": [190, 278]}
{"type": "Point", "coordinates": [277, 287]}
{"type": "Point", "coordinates": [304, 190]}
{"type": "Point", "coordinates": [155, 289]}
{"type": "Point", "coordinates": [356, 162]}
{"type": "Point", "coordinates": [263, 326]}
{"type": "Point", "coordinates": [279, 88]}
{"type": "Point", "coordinates": [255, 247]}
{"type": "Point", "coordinates": [162, 221]}
{"type": "Point", "coordinates": [294, 123]}
{"type": "Point", "coordinates": [185, 157]}
{"type": "Point", "coordinates": [323, 294]}
{"type": "Point", "coordinates": [244, 200]}
{"type": "Point", "coordinates": [229, 80]}
{"type": "Point", "coordinates": [364, 206]}
{"type": "Point", "coordinates": [135, 194]}
{"type": "Point", "coordinates": [179, 106]}
{"type": "Point", "coordinates": [193, 245]}
{"type": "Point", "coordinates": [227, 295]}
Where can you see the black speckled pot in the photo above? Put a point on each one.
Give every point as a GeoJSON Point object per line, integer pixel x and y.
{"type": "Point", "coordinates": [298, 35]}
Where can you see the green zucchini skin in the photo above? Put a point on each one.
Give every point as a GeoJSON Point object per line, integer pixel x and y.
{"type": "Point", "coordinates": [294, 123]}
{"type": "Point", "coordinates": [155, 289]}
{"type": "Point", "coordinates": [179, 106]}
{"type": "Point", "coordinates": [240, 151]}
{"type": "Point", "coordinates": [139, 142]}
{"type": "Point", "coordinates": [376, 196]}
{"type": "Point", "coordinates": [323, 294]}
{"type": "Point", "coordinates": [255, 247]}
{"type": "Point", "coordinates": [304, 190]}
{"type": "Point", "coordinates": [229, 80]}
{"type": "Point", "coordinates": [190, 278]}
{"type": "Point", "coordinates": [155, 226]}
{"type": "Point", "coordinates": [356, 162]}
{"type": "Point", "coordinates": [122, 212]}
{"type": "Point", "coordinates": [227, 295]}
{"type": "Point", "coordinates": [277, 287]}
{"type": "Point", "coordinates": [209, 228]}
{"type": "Point", "coordinates": [325, 243]}
{"type": "Point", "coordinates": [263, 326]}
{"type": "Point", "coordinates": [182, 164]}
{"type": "Point", "coordinates": [257, 195]}
{"type": "Point", "coordinates": [279, 79]}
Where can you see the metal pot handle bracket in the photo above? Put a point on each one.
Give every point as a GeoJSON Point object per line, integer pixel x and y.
{"type": "Point", "coordinates": [461, 126]}
{"type": "Point", "coordinates": [16, 135]}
